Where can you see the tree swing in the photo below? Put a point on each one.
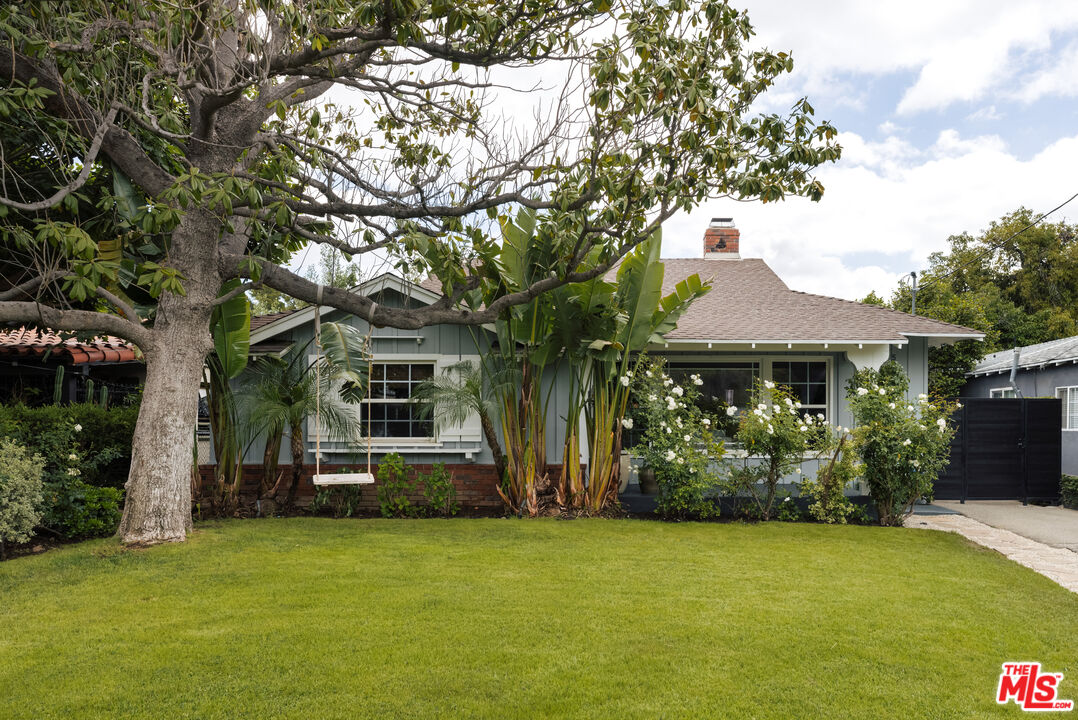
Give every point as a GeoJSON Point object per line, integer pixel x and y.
{"type": "Point", "coordinates": [363, 478]}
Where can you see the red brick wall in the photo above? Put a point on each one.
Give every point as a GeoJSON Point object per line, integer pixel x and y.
{"type": "Point", "coordinates": [714, 236]}
{"type": "Point", "coordinates": [476, 485]}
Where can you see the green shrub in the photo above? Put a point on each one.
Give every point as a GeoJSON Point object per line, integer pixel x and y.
{"type": "Point", "coordinates": [828, 501]}
{"type": "Point", "coordinates": [20, 493]}
{"type": "Point", "coordinates": [439, 491]}
{"type": "Point", "coordinates": [903, 446]}
{"type": "Point", "coordinates": [75, 509]}
{"type": "Point", "coordinates": [788, 511]}
{"type": "Point", "coordinates": [1069, 491]}
{"type": "Point", "coordinates": [780, 434]}
{"type": "Point", "coordinates": [678, 442]}
{"type": "Point", "coordinates": [102, 442]}
{"type": "Point", "coordinates": [396, 481]}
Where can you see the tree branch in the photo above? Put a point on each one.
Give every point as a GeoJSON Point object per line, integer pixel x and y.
{"type": "Point", "coordinates": [76, 320]}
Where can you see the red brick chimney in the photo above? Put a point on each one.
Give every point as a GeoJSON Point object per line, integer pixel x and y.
{"type": "Point", "coordinates": [722, 240]}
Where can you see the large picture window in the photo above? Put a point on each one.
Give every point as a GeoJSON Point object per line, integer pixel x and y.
{"type": "Point", "coordinates": [725, 384]}
{"type": "Point", "coordinates": [392, 415]}
{"type": "Point", "coordinates": [1069, 396]}
{"type": "Point", "coordinates": [807, 379]}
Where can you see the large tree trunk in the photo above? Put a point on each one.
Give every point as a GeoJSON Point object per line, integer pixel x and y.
{"type": "Point", "coordinates": [157, 506]}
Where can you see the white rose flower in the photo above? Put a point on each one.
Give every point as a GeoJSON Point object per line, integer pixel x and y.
{"type": "Point", "coordinates": [862, 391]}
{"type": "Point", "coordinates": [627, 423]}
{"type": "Point", "coordinates": [797, 404]}
{"type": "Point", "coordinates": [891, 405]}
{"type": "Point", "coordinates": [942, 423]}
{"type": "Point", "coordinates": [769, 385]}
{"type": "Point", "coordinates": [72, 456]}
{"type": "Point", "coordinates": [669, 431]}
{"type": "Point", "coordinates": [958, 404]}
{"type": "Point", "coordinates": [647, 373]}
{"type": "Point", "coordinates": [820, 416]}
{"type": "Point", "coordinates": [776, 408]}
{"type": "Point", "coordinates": [803, 428]}
{"type": "Point", "coordinates": [670, 403]}
{"type": "Point", "coordinates": [677, 390]}
{"type": "Point", "coordinates": [681, 461]}
{"type": "Point", "coordinates": [625, 380]}
{"type": "Point", "coordinates": [652, 398]}
{"type": "Point", "coordinates": [78, 428]}
{"type": "Point", "coordinates": [761, 406]}
{"type": "Point", "coordinates": [770, 430]}
{"type": "Point", "coordinates": [789, 402]}
{"type": "Point", "coordinates": [906, 442]}
{"type": "Point", "coordinates": [687, 438]}
{"type": "Point", "coordinates": [731, 411]}
{"type": "Point", "coordinates": [882, 391]}
{"type": "Point", "coordinates": [909, 408]}
{"type": "Point", "coordinates": [915, 463]}
{"type": "Point", "coordinates": [667, 382]}
{"type": "Point", "coordinates": [670, 455]}
{"type": "Point", "coordinates": [74, 472]}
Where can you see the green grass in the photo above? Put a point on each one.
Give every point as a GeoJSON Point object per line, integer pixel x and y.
{"type": "Point", "coordinates": [313, 618]}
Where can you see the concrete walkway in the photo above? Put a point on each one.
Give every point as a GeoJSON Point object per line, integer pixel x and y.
{"type": "Point", "coordinates": [1055, 526]}
{"type": "Point", "coordinates": [1055, 563]}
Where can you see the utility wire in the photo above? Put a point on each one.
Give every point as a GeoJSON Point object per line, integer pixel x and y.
{"type": "Point", "coordinates": [994, 246]}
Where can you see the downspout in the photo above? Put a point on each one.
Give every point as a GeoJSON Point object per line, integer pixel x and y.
{"type": "Point", "coordinates": [1014, 372]}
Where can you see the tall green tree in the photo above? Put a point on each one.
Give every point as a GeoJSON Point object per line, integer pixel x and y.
{"type": "Point", "coordinates": [217, 111]}
{"type": "Point", "coordinates": [1018, 284]}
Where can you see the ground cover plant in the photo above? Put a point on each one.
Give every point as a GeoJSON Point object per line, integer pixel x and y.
{"type": "Point", "coordinates": [314, 617]}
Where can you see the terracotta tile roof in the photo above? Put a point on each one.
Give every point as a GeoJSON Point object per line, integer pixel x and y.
{"type": "Point", "coordinates": [32, 342]}
{"type": "Point", "coordinates": [749, 302]}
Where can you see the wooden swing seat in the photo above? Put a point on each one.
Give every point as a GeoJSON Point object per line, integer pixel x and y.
{"type": "Point", "coordinates": [364, 478]}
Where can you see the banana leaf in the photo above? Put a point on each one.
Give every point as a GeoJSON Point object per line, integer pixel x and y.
{"type": "Point", "coordinates": [230, 324]}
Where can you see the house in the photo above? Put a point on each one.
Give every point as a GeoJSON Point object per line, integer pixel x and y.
{"type": "Point", "coordinates": [1048, 369]}
{"type": "Point", "coordinates": [35, 363]}
{"type": "Point", "coordinates": [750, 325]}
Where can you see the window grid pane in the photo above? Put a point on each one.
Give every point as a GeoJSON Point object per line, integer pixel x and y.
{"type": "Point", "coordinates": [388, 414]}
{"type": "Point", "coordinates": [807, 380]}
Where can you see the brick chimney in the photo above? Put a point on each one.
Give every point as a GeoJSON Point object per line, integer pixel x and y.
{"type": "Point", "coordinates": [722, 240]}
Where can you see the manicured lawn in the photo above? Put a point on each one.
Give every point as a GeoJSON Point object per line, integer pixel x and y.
{"type": "Point", "coordinates": [312, 618]}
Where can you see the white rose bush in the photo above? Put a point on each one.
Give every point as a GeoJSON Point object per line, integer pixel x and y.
{"type": "Point", "coordinates": [678, 442]}
{"type": "Point", "coordinates": [777, 435]}
{"type": "Point", "coordinates": [902, 446]}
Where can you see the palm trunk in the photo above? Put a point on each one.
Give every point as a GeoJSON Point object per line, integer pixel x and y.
{"type": "Point", "coordinates": [269, 462]}
{"type": "Point", "coordinates": [297, 462]}
{"type": "Point", "coordinates": [491, 436]}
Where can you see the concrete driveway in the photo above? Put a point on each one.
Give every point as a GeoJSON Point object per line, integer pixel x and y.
{"type": "Point", "coordinates": [1055, 526]}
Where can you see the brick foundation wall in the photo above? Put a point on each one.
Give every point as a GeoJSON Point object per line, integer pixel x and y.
{"type": "Point", "coordinates": [476, 485]}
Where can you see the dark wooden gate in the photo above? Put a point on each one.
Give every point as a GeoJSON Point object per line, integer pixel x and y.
{"type": "Point", "coordinates": [1005, 449]}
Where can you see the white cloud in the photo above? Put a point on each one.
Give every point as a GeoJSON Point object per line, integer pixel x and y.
{"type": "Point", "coordinates": [888, 199]}
{"type": "Point", "coordinates": [961, 50]}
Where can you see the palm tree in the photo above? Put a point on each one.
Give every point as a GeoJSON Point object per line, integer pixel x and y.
{"type": "Point", "coordinates": [453, 396]}
{"type": "Point", "coordinates": [284, 392]}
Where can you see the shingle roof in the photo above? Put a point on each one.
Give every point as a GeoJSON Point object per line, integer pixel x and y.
{"type": "Point", "coordinates": [748, 302]}
{"type": "Point", "coordinates": [1053, 352]}
{"type": "Point", "coordinates": [258, 321]}
{"type": "Point", "coordinates": [27, 342]}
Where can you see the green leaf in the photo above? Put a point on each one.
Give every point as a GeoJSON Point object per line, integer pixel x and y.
{"type": "Point", "coordinates": [230, 324]}
{"type": "Point", "coordinates": [346, 355]}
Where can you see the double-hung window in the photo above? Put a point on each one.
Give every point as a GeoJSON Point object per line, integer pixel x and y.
{"type": "Point", "coordinates": [1069, 396]}
{"type": "Point", "coordinates": [1001, 392]}
{"type": "Point", "coordinates": [391, 412]}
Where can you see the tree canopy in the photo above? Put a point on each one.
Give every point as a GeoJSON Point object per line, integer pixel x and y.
{"type": "Point", "coordinates": [1019, 289]}
{"type": "Point", "coordinates": [236, 131]}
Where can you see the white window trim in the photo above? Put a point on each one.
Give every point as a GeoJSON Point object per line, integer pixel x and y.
{"type": "Point", "coordinates": [992, 393]}
{"type": "Point", "coordinates": [1070, 389]}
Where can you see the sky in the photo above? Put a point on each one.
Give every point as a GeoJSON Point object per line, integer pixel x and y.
{"type": "Point", "coordinates": [951, 114]}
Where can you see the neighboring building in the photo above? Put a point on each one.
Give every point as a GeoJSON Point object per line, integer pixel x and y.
{"type": "Point", "coordinates": [30, 359]}
{"type": "Point", "coordinates": [750, 325]}
{"type": "Point", "coordinates": [1048, 369]}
